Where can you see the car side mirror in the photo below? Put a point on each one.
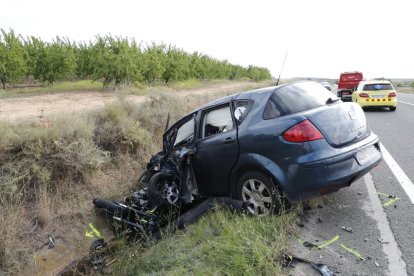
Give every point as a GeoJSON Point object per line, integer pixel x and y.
{"type": "Point", "coordinates": [239, 112]}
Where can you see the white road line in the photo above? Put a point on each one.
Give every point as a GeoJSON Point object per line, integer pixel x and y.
{"type": "Point", "coordinates": [402, 178]}
{"type": "Point", "coordinates": [405, 103]}
{"type": "Point", "coordinates": [373, 208]}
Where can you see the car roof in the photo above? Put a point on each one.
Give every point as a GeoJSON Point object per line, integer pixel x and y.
{"type": "Point", "coordinates": [248, 95]}
{"type": "Point", "coordinates": [375, 81]}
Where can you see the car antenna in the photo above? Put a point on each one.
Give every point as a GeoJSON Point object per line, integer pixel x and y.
{"type": "Point", "coordinates": [283, 65]}
{"type": "Point", "coordinates": [168, 122]}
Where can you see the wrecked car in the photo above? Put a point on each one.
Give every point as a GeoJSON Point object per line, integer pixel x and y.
{"type": "Point", "coordinates": [266, 147]}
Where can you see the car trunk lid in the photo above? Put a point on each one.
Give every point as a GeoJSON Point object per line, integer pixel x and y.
{"type": "Point", "coordinates": [340, 124]}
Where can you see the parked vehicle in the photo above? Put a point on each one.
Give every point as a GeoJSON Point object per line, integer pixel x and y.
{"type": "Point", "coordinates": [326, 85]}
{"type": "Point", "coordinates": [348, 82]}
{"type": "Point", "coordinates": [266, 147]}
{"type": "Point", "coordinates": [376, 93]}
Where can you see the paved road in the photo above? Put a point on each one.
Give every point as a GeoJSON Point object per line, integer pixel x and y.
{"type": "Point", "coordinates": [383, 235]}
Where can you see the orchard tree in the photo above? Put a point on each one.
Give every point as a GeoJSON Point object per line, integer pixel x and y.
{"type": "Point", "coordinates": [116, 60]}
{"type": "Point", "coordinates": [55, 61]}
{"type": "Point", "coordinates": [154, 62]}
{"type": "Point", "coordinates": [12, 58]}
{"type": "Point", "coordinates": [176, 65]}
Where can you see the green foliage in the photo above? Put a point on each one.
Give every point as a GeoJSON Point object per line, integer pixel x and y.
{"type": "Point", "coordinates": [412, 84]}
{"type": "Point", "coordinates": [13, 64]}
{"type": "Point", "coordinates": [221, 243]}
{"type": "Point", "coordinates": [49, 62]}
{"type": "Point", "coordinates": [114, 60]}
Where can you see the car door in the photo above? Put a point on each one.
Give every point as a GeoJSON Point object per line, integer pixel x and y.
{"type": "Point", "coordinates": [216, 150]}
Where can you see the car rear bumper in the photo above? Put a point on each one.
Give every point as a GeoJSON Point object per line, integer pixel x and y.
{"type": "Point", "coordinates": [329, 175]}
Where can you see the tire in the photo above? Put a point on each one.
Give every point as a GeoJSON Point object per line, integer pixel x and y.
{"type": "Point", "coordinates": [144, 178]}
{"type": "Point", "coordinates": [259, 194]}
{"type": "Point", "coordinates": [112, 207]}
{"type": "Point", "coordinates": [392, 108]}
{"type": "Point", "coordinates": [155, 189]}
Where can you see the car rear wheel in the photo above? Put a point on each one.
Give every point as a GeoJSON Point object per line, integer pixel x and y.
{"type": "Point", "coordinates": [393, 108]}
{"type": "Point", "coordinates": [260, 195]}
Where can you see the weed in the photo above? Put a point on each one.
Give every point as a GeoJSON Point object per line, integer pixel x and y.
{"type": "Point", "coordinates": [220, 243]}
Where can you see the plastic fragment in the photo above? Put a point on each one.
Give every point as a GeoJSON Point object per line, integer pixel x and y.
{"type": "Point", "coordinates": [348, 229]}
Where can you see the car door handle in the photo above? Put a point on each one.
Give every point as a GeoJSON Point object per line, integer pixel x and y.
{"type": "Point", "coordinates": [229, 141]}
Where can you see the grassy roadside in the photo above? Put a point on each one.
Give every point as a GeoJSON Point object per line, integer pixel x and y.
{"type": "Point", "coordinates": [221, 243]}
{"type": "Point", "coordinates": [49, 174]}
{"type": "Point", "coordinates": [408, 90]}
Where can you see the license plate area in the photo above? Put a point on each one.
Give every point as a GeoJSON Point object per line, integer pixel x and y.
{"type": "Point", "coordinates": [366, 154]}
{"type": "Point", "coordinates": [377, 96]}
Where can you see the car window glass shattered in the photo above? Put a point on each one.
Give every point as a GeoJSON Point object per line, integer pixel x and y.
{"type": "Point", "coordinates": [296, 98]}
{"type": "Point", "coordinates": [185, 132]}
{"type": "Point", "coordinates": [217, 121]}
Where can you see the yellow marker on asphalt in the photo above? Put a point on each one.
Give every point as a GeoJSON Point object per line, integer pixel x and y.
{"type": "Point", "coordinates": [334, 239]}
{"type": "Point", "coordinates": [95, 231]}
{"type": "Point", "coordinates": [390, 201]}
{"type": "Point", "coordinates": [353, 252]}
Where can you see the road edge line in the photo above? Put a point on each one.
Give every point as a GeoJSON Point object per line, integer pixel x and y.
{"type": "Point", "coordinates": [396, 265]}
{"type": "Point", "coordinates": [405, 102]}
{"type": "Point", "coordinates": [399, 174]}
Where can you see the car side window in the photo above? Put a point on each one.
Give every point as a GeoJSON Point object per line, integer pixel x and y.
{"type": "Point", "coordinates": [216, 121]}
{"type": "Point", "coordinates": [185, 132]}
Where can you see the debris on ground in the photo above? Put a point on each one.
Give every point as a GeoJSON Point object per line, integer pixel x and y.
{"type": "Point", "coordinates": [382, 241]}
{"type": "Point", "coordinates": [321, 268]}
{"type": "Point", "coordinates": [347, 229]}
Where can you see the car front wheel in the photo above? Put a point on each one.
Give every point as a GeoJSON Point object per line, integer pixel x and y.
{"type": "Point", "coordinates": [259, 194]}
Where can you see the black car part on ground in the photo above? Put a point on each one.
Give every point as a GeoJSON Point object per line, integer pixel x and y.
{"type": "Point", "coordinates": [165, 173]}
{"type": "Point", "coordinates": [321, 268]}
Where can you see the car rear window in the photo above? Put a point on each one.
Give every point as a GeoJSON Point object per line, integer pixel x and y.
{"type": "Point", "coordinates": [377, 86]}
{"type": "Point", "coordinates": [296, 97]}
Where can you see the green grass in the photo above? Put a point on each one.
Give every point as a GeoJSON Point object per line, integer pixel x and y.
{"type": "Point", "coordinates": [221, 243]}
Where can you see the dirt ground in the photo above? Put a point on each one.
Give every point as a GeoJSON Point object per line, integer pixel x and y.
{"type": "Point", "coordinates": [38, 107]}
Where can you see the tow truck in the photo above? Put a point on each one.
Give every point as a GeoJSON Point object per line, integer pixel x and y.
{"type": "Point", "coordinates": [347, 84]}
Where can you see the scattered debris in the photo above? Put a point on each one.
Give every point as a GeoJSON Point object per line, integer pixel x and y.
{"type": "Point", "coordinates": [309, 244]}
{"type": "Point", "coordinates": [50, 242]}
{"type": "Point", "coordinates": [321, 268]}
{"type": "Point", "coordinates": [382, 241]}
{"type": "Point", "coordinates": [353, 252]}
{"type": "Point", "coordinates": [328, 242]}
{"type": "Point", "coordinates": [392, 199]}
{"type": "Point", "coordinates": [348, 229]}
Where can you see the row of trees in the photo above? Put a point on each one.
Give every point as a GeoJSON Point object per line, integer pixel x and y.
{"type": "Point", "coordinates": [110, 59]}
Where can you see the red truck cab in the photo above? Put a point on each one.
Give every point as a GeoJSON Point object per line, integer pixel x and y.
{"type": "Point", "coordinates": [348, 82]}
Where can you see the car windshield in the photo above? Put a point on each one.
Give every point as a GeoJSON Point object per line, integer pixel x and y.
{"type": "Point", "coordinates": [377, 86]}
{"type": "Point", "coordinates": [295, 98]}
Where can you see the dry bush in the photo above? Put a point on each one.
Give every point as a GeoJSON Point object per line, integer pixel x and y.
{"type": "Point", "coordinates": [49, 174]}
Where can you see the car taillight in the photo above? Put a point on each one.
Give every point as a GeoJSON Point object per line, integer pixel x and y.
{"type": "Point", "coordinates": [302, 132]}
{"type": "Point", "coordinates": [392, 94]}
{"type": "Point", "coordinates": [364, 95]}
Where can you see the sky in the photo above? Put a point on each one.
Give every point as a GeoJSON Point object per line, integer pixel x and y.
{"type": "Point", "coordinates": [322, 38]}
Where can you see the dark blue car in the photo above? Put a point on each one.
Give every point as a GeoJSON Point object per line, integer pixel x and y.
{"type": "Point", "coordinates": [291, 142]}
